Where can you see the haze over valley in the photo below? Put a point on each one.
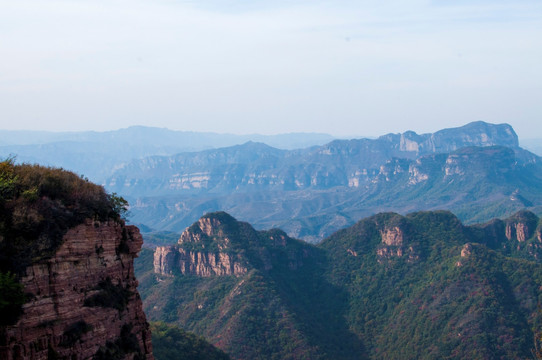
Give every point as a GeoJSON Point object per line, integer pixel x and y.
{"type": "Point", "coordinates": [256, 180]}
{"type": "Point", "coordinates": [309, 185]}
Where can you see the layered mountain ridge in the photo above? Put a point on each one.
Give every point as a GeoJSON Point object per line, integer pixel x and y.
{"type": "Point", "coordinates": [97, 154]}
{"type": "Point", "coordinates": [389, 287]}
{"type": "Point", "coordinates": [478, 171]}
{"type": "Point", "coordinates": [256, 165]}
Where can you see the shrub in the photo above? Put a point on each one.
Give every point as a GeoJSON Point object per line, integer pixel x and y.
{"type": "Point", "coordinates": [39, 204]}
{"type": "Point", "coordinates": [126, 344]}
{"type": "Point", "coordinates": [12, 299]}
{"type": "Point", "coordinates": [109, 296]}
{"type": "Point", "coordinates": [74, 332]}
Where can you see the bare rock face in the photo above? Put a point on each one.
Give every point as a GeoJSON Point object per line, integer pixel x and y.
{"type": "Point", "coordinates": [219, 245]}
{"type": "Point", "coordinates": [466, 251]}
{"type": "Point", "coordinates": [395, 244]}
{"type": "Point", "coordinates": [518, 231]}
{"type": "Point", "coordinates": [164, 260]}
{"type": "Point", "coordinates": [392, 236]}
{"type": "Point", "coordinates": [200, 260]}
{"type": "Point", "coordinates": [209, 264]}
{"type": "Point", "coordinates": [83, 302]}
{"type": "Point", "coordinates": [168, 259]}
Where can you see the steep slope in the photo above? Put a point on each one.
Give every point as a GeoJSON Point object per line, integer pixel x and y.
{"type": "Point", "coordinates": [256, 295]}
{"type": "Point", "coordinates": [312, 193]}
{"type": "Point", "coordinates": [66, 250]}
{"type": "Point", "coordinates": [425, 286]}
{"type": "Point", "coordinates": [171, 342]}
{"type": "Point", "coordinates": [421, 286]}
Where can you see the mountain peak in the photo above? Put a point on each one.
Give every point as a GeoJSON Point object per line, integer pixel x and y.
{"type": "Point", "coordinates": [478, 133]}
{"type": "Point", "coordinates": [214, 230]}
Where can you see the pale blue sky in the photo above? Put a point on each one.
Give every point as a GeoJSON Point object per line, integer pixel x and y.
{"type": "Point", "coordinates": [339, 67]}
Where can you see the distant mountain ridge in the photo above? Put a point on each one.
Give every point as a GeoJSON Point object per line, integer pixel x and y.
{"type": "Point", "coordinates": [309, 192]}
{"type": "Point", "coordinates": [338, 163]}
{"type": "Point", "coordinates": [478, 171]}
{"type": "Point", "coordinates": [420, 286]}
{"type": "Point", "coordinates": [97, 154]}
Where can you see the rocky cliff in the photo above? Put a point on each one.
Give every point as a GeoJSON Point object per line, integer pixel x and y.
{"type": "Point", "coordinates": [205, 249]}
{"type": "Point", "coordinates": [83, 301]}
{"type": "Point", "coordinates": [218, 245]}
{"type": "Point", "coordinates": [520, 235]}
{"type": "Point", "coordinates": [168, 259]}
{"type": "Point", "coordinates": [256, 166]}
{"type": "Point", "coordinates": [420, 286]}
{"type": "Point", "coordinates": [240, 288]}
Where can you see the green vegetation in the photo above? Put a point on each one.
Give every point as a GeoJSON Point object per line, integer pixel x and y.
{"type": "Point", "coordinates": [432, 303]}
{"type": "Point", "coordinates": [74, 332]}
{"type": "Point", "coordinates": [11, 298]}
{"type": "Point", "coordinates": [126, 344]}
{"type": "Point", "coordinates": [171, 342]}
{"type": "Point", "coordinates": [281, 309]}
{"type": "Point", "coordinates": [39, 204]}
{"type": "Point", "coordinates": [159, 238]}
{"type": "Point", "coordinates": [437, 290]}
{"type": "Point", "coordinates": [109, 295]}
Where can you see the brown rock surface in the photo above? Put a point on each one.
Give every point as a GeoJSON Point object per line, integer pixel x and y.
{"type": "Point", "coordinates": [518, 231]}
{"type": "Point", "coordinates": [393, 236]}
{"type": "Point", "coordinates": [200, 263]}
{"type": "Point", "coordinates": [56, 323]}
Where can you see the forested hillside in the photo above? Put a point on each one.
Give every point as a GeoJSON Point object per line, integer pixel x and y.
{"type": "Point", "coordinates": [421, 286]}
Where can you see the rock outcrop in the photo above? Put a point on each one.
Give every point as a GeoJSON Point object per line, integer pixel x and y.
{"type": "Point", "coordinates": [204, 249]}
{"type": "Point", "coordinates": [83, 301]}
{"type": "Point", "coordinates": [395, 244]}
{"type": "Point", "coordinates": [168, 259]}
{"type": "Point", "coordinates": [219, 245]}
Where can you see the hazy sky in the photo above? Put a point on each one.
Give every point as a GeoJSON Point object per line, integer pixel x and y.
{"type": "Point", "coordinates": [339, 67]}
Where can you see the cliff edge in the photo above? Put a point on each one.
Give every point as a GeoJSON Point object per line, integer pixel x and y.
{"type": "Point", "coordinates": [65, 247]}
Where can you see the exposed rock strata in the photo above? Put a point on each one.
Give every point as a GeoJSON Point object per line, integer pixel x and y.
{"type": "Point", "coordinates": [518, 231]}
{"type": "Point", "coordinates": [219, 245]}
{"type": "Point", "coordinates": [201, 261]}
{"type": "Point", "coordinates": [168, 259]}
{"type": "Point", "coordinates": [60, 321]}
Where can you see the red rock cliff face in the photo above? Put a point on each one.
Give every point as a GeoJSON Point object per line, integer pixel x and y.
{"type": "Point", "coordinates": [168, 259]}
{"type": "Point", "coordinates": [71, 314]}
{"type": "Point", "coordinates": [205, 264]}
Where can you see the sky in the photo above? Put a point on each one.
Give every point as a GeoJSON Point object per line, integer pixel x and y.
{"type": "Point", "coordinates": [346, 68]}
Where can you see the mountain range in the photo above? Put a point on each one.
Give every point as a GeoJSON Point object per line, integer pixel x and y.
{"type": "Point", "coordinates": [479, 171]}
{"type": "Point", "coordinates": [420, 286]}
{"type": "Point", "coordinates": [309, 185]}
{"type": "Point", "coordinates": [96, 154]}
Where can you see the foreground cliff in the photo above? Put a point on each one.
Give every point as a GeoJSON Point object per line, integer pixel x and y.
{"type": "Point", "coordinates": [65, 246]}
